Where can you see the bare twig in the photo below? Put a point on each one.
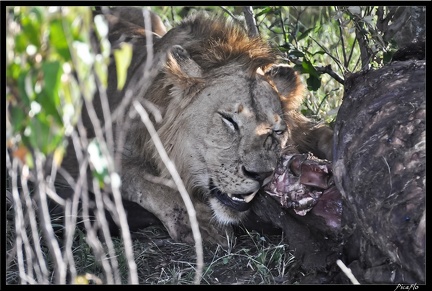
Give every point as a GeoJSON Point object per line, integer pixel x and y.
{"type": "Point", "coordinates": [328, 70]}
{"type": "Point", "coordinates": [179, 183]}
{"type": "Point", "coordinates": [347, 272]}
{"type": "Point", "coordinates": [20, 233]}
{"type": "Point", "coordinates": [230, 14]}
{"type": "Point", "coordinates": [336, 60]}
{"type": "Point", "coordinates": [45, 221]}
{"type": "Point", "coordinates": [345, 60]}
{"type": "Point", "coordinates": [250, 21]}
{"type": "Point", "coordinates": [282, 24]}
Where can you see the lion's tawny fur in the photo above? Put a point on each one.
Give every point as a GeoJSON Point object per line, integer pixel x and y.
{"type": "Point", "coordinates": [227, 111]}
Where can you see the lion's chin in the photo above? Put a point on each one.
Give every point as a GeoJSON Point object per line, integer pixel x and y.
{"type": "Point", "coordinates": [238, 202]}
{"type": "Point", "coordinates": [224, 214]}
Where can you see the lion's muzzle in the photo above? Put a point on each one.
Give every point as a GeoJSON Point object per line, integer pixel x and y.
{"type": "Point", "coordinates": [239, 202]}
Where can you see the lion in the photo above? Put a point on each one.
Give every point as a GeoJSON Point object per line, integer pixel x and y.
{"type": "Point", "coordinates": [227, 109]}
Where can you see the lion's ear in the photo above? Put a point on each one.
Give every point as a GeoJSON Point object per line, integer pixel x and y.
{"type": "Point", "coordinates": [288, 84]}
{"type": "Point", "coordinates": [182, 71]}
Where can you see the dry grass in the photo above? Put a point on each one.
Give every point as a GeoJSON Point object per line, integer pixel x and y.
{"type": "Point", "coordinates": [250, 259]}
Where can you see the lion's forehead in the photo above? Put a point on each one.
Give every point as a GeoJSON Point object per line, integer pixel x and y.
{"type": "Point", "coordinates": [259, 116]}
{"type": "Point", "coordinates": [256, 100]}
{"type": "Point", "coordinates": [266, 97]}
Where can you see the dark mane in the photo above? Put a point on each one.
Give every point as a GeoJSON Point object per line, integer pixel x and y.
{"type": "Point", "coordinates": [214, 41]}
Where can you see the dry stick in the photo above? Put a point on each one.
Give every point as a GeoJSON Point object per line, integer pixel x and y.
{"type": "Point", "coordinates": [330, 72]}
{"type": "Point", "coordinates": [42, 277]}
{"type": "Point", "coordinates": [179, 183]}
{"type": "Point", "coordinates": [151, 68]}
{"type": "Point", "coordinates": [232, 16]}
{"type": "Point", "coordinates": [80, 189]}
{"type": "Point", "coordinates": [92, 237]}
{"type": "Point", "coordinates": [105, 152]}
{"type": "Point", "coordinates": [101, 219]}
{"type": "Point", "coordinates": [70, 218]}
{"type": "Point", "coordinates": [250, 21]}
{"type": "Point", "coordinates": [71, 208]}
{"type": "Point", "coordinates": [19, 223]}
{"type": "Point", "coordinates": [45, 221]}
{"type": "Point", "coordinates": [78, 143]}
{"type": "Point", "coordinates": [148, 73]}
{"type": "Point", "coordinates": [69, 226]}
{"type": "Point", "coordinates": [25, 238]}
{"type": "Point", "coordinates": [347, 272]}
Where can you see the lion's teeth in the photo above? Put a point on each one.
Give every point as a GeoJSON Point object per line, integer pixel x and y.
{"type": "Point", "coordinates": [235, 198]}
{"type": "Point", "coordinates": [243, 198]}
{"type": "Point", "coordinates": [249, 198]}
{"type": "Point", "coordinates": [267, 180]}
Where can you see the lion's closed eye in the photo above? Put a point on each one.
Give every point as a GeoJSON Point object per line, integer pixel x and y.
{"type": "Point", "coordinates": [229, 121]}
{"type": "Point", "coordinates": [279, 131]}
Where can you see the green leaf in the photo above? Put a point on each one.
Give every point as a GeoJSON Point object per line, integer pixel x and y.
{"type": "Point", "coordinates": [38, 13]}
{"type": "Point", "coordinates": [13, 71]}
{"type": "Point", "coordinates": [296, 53]}
{"type": "Point", "coordinates": [21, 42]}
{"type": "Point", "coordinates": [31, 29]}
{"type": "Point", "coordinates": [318, 53]}
{"type": "Point", "coordinates": [313, 82]}
{"type": "Point", "coordinates": [21, 87]}
{"type": "Point", "coordinates": [309, 68]}
{"type": "Point", "coordinates": [42, 135]}
{"type": "Point", "coordinates": [123, 57]}
{"type": "Point", "coordinates": [304, 34]}
{"type": "Point", "coordinates": [17, 118]}
{"type": "Point", "coordinates": [51, 75]}
{"type": "Point", "coordinates": [387, 57]}
{"type": "Point", "coordinates": [264, 11]}
{"type": "Point", "coordinates": [48, 98]}
{"type": "Point", "coordinates": [58, 39]}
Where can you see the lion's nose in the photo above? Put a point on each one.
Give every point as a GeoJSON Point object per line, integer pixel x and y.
{"type": "Point", "coordinates": [258, 176]}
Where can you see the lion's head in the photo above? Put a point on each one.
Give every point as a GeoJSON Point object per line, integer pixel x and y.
{"type": "Point", "coordinates": [222, 122]}
{"type": "Point", "coordinates": [223, 106]}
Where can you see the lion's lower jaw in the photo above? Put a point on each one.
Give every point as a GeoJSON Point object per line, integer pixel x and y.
{"type": "Point", "coordinates": [225, 215]}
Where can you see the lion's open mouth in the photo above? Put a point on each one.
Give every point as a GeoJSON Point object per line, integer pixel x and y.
{"type": "Point", "coordinates": [239, 202]}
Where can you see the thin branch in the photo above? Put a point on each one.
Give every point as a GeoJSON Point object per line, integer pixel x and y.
{"type": "Point", "coordinates": [179, 183]}
{"type": "Point", "coordinates": [45, 221]}
{"type": "Point", "coordinates": [230, 14]}
{"type": "Point", "coordinates": [323, 70]}
{"type": "Point", "coordinates": [341, 67]}
{"type": "Point", "coordinates": [250, 21]}
{"type": "Point", "coordinates": [347, 272]}
{"type": "Point", "coordinates": [283, 27]}
{"type": "Point", "coordinates": [345, 60]}
{"type": "Point", "coordinates": [351, 53]}
{"type": "Point", "coordinates": [328, 70]}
